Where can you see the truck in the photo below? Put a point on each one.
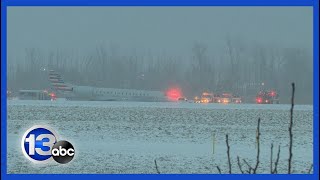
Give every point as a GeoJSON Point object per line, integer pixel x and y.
{"type": "Point", "coordinates": [267, 97]}
{"type": "Point", "coordinates": [225, 98]}
{"type": "Point", "coordinates": [207, 97]}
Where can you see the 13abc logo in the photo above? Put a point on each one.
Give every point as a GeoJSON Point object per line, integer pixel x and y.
{"type": "Point", "coordinates": [40, 144]}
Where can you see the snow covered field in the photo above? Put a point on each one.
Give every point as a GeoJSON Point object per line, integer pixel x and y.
{"type": "Point", "coordinates": [126, 137]}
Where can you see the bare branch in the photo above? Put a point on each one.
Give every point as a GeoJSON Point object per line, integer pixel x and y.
{"type": "Point", "coordinates": [250, 168]}
{"type": "Point", "coordinates": [219, 169]}
{"type": "Point", "coordinates": [275, 170]}
{"type": "Point", "coordinates": [258, 148]}
{"type": "Point", "coordinates": [310, 169]}
{"type": "Point", "coordinates": [239, 165]}
{"type": "Point", "coordinates": [271, 159]}
{"type": "Point", "coordinates": [156, 165]}
{"type": "Point", "coordinates": [290, 130]}
{"type": "Point", "coordinates": [228, 153]}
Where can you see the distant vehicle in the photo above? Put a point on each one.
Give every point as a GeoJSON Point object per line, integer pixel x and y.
{"type": "Point", "coordinates": [236, 99]}
{"type": "Point", "coordinates": [197, 99]}
{"type": "Point", "coordinates": [182, 99]}
{"type": "Point", "coordinates": [267, 97]}
{"type": "Point", "coordinates": [207, 97]}
{"type": "Point", "coordinates": [36, 95]}
{"type": "Point", "coordinates": [225, 98]}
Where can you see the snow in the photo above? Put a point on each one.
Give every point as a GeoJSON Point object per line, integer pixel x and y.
{"type": "Point", "coordinates": [186, 105]}
{"type": "Point", "coordinates": [126, 137]}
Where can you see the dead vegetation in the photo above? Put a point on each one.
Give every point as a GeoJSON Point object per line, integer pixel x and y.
{"type": "Point", "coordinates": [273, 166]}
{"type": "Point", "coordinates": [245, 167]}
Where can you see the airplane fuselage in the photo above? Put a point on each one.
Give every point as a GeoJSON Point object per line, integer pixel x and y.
{"type": "Point", "coordinates": [89, 93]}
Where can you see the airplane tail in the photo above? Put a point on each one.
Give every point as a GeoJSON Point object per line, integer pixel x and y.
{"type": "Point", "coordinates": [57, 82]}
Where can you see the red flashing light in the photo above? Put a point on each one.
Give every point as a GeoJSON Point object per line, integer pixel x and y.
{"type": "Point", "coordinates": [173, 94]}
{"type": "Point", "coordinates": [272, 93]}
{"type": "Point", "coordinates": [259, 100]}
{"type": "Point", "coordinates": [53, 96]}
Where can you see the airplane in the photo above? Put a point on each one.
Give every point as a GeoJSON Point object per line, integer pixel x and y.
{"type": "Point", "coordinates": [89, 93]}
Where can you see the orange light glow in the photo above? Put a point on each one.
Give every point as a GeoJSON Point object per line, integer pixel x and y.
{"type": "Point", "coordinates": [226, 101]}
{"type": "Point", "coordinates": [207, 94]}
{"type": "Point", "coordinates": [204, 101]}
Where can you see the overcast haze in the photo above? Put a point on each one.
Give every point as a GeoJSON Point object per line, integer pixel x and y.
{"type": "Point", "coordinates": [132, 84]}
{"type": "Point", "coordinates": [158, 29]}
{"type": "Point", "coordinates": [222, 48]}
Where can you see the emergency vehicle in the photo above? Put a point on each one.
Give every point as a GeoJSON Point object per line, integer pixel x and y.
{"type": "Point", "coordinates": [267, 97]}
{"type": "Point", "coordinates": [207, 97]}
{"type": "Point", "coordinates": [224, 98]}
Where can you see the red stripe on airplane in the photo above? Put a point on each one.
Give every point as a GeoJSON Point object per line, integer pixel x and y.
{"type": "Point", "coordinates": [56, 80]}
{"type": "Point", "coordinates": [59, 85]}
{"type": "Point", "coordinates": [53, 77]}
{"type": "Point", "coordinates": [64, 88]}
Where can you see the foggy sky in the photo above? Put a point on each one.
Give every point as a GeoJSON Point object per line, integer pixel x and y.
{"type": "Point", "coordinates": [170, 30]}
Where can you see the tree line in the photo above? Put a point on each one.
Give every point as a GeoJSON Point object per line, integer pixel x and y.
{"type": "Point", "coordinates": [239, 68]}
